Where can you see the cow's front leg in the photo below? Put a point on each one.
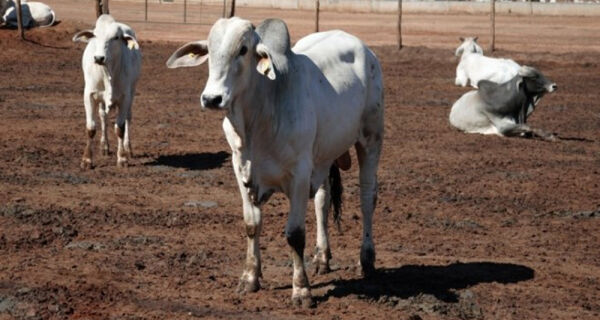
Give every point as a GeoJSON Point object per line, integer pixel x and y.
{"type": "Point", "coordinates": [249, 281]}
{"type": "Point", "coordinates": [120, 130]}
{"type": "Point", "coordinates": [323, 252]}
{"type": "Point", "coordinates": [295, 233]}
{"type": "Point", "coordinates": [89, 102]}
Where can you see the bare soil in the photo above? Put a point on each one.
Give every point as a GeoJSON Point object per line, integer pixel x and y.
{"type": "Point", "coordinates": [467, 226]}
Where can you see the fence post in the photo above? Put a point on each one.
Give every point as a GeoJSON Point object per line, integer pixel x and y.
{"type": "Point", "coordinates": [493, 24]}
{"type": "Point", "coordinates": [146, 10]}
{"type": "Point", "coordinates": [399, 24]}
{"type": "Point", "coordinates": [20, 20]}
{"type": "Point", "coordinates": [317, 5]}
{"type": "Point", "coordinates": [232, 13]}
{"type": "Point", "coordinates": [184, 11]}
{"type": "Point", "coordinates": [105, 7]}
{"type": "Point", "coordinates": [98, 8]}
{"type": "Point", "coordinates": [224, 8]}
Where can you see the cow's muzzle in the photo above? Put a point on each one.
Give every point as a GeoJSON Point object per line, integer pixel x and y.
{"type": "Point", "coordinates": [552, 87]}
{"type": "Point", "coordinates": [100, 60]}
{"type": "Point", "coordinates": [211, 101]}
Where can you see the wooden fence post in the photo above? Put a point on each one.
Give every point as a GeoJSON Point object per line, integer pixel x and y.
{"type": "Point", "coordinates": [493, 24]}
{"type": "Point", "coordinates": [399, 24]}
{"type": "Point", "coordinates": [232, 12]}
{"type": "Point", "coordinates": [105, 7]}
{"type": "Point", "coordinates": [317, 5]}
{"type": "Point", "coordinates": [20, 20]}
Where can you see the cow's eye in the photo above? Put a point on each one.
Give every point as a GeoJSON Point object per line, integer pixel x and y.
{"type": "Point", "coordinates": [243, 50]}
{"type": "Point", "coordinates": [116, 38]}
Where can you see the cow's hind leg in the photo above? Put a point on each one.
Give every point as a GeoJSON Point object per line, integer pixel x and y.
{"type": "Point", "coordinates": [127, 141]}
{"type": "Point", "coordinates": [368, 151]}
{"type": "Point", "coordinates": [323, 252]}
{"type": "Point", "coordinates": [89, 102]}
{"type": "Point", "coordinates": [104, 148]}
{"type": "Point", "coordinates": [122, 161]}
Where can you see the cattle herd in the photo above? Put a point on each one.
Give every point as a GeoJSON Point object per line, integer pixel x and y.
{"type": "Point", "coordinates": [291, 115]}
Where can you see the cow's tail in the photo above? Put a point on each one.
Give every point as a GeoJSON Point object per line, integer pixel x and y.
{"type": "Point", "coordinates": [335, 183]}
{"type": "Point", "coordinates": [52, 20]}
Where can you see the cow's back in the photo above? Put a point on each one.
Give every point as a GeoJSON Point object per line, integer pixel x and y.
{"type": "Point", "coordinates": [341, 78]}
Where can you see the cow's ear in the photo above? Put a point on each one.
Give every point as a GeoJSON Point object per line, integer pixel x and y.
{"type": "Point", "coordinates": [475, 39]}
{"type": "Point", "coordinates": [265, 63]}
{"type": "Point", "coordinates": [189, 55]}
{"type": "Point", "coordinates": [461, 39]}
{"type": "Point", "coordinates": [83, 36]}
{"type": "Point", "coordinates": [130, 41]}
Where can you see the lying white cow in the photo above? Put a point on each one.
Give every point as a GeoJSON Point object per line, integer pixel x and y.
{"type": "Point", "coordinates": [502, 109]}
{"type": "Point", "coordinates": [290, 113]}
{"type": "Point", "coordinates": [474, 66]}
{"type": "Point", "coordinates": [34, 14]}
{"type": "Point", "coordinates": [111, 66]}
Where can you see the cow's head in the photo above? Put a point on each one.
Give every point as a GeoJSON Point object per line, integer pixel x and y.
{"type": "Point", "coordinates": [110, 39]}
{"type": "Point", "coordinates": [234, 53]}
{"type": "Point", "coordinates": [468, 45]}
{"type": "Point", "coordinates": [534, 82]}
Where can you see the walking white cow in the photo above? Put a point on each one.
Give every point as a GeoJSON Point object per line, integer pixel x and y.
{"type": "Point", "coordinates": [474, 66]}
{"type": "Point", "coordinates": [287, 123]}
{"type": "Point", "coordinates": [111, 66]}
{"type": "Point", "coordinates": [34, 14]}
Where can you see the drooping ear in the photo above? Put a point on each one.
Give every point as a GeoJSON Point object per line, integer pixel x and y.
{"type": "Point", "coordinates": [461, 39]}
{"type": "Point", "coordinates": [83, 36]}
{"type": "Point", "coordinates": [475, 39]}
{"type": "Point", "coordinates": [265, 63]}
{"type": "Point", "coordinates": [131, 42]}
{"type": "Point", "coordinates": [526, 71]}
{"type": "Point", "coordinates": [190, 54]}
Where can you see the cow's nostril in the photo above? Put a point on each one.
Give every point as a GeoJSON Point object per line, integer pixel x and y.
{"type": "Point", "coordinates": [554, 86]}
{"type": "Point", "coordinates": [210, 101]}
{"type": "Point", "coordinates": [99, 59]}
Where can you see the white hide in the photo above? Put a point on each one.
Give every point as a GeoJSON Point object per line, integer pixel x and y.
{"type": "Point", "coordinates": [34, 14]}
{"type": "Point", "coordinates": [474, 66]}
{"type": "Point", "coordinates": [112, 83]}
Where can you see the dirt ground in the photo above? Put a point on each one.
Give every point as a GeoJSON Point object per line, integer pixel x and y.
{"type": "Point", "coordinates": [467, 226]}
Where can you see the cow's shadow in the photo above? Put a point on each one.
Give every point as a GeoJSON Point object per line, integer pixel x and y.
{"type": "Point", "coordinates": [439, 281]}
{"type": "Point", "coordinates": [192, 161]}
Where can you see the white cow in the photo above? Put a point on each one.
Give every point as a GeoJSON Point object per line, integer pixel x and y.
{"type": "Point", "coordinates": [34, 14]}
{"type": "Point", "coordinates": [287, 123]}
{"type": "Point", "coordinates": [111, 66]}
{"type": "Point", "coordinates": [474, 66]}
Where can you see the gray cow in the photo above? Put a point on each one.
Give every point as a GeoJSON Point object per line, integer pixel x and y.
{"type": "Point", "coordinates": [502, 109]}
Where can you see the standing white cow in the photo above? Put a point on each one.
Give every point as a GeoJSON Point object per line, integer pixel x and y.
{"type": "Point", "coordinates": [111, 66]}
{"type": "Point", "coordinates": [287, 123]}
{"type": "Point", "coordinates": [474, 66]}
{"type": "Point", "coordinates": [34, 14]}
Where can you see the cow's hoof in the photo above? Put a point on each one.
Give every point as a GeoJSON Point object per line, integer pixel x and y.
{"type": "Point", "coordinates": [367, 262]}
{"type": "Point", "coordinates": [321, 267]}
{"type": "Point", "coordinates": [305, 302]}
{"type": "Point", "coordinates": [248, 286]}
{"type": "Point", "coordinates": [86, 164]}
{"type": "Point", "coordinates": [122, 163]}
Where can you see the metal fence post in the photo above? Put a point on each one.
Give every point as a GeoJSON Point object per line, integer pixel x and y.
{"type": "Point", "coordinates": [232, 12]}
{"type": "Point", "coordinates": [105, 7]}
{"type": "Point", "coordinates": [184, 11]}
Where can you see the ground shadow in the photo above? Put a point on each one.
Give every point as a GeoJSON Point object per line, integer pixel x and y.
{"type": "Point", "coordinates": [192, 161]}
{"type": "Point", "coordinates": [439, 281]}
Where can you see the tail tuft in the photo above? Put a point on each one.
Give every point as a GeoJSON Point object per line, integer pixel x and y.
{"type": "Point", "coordinates": [335, 183]}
